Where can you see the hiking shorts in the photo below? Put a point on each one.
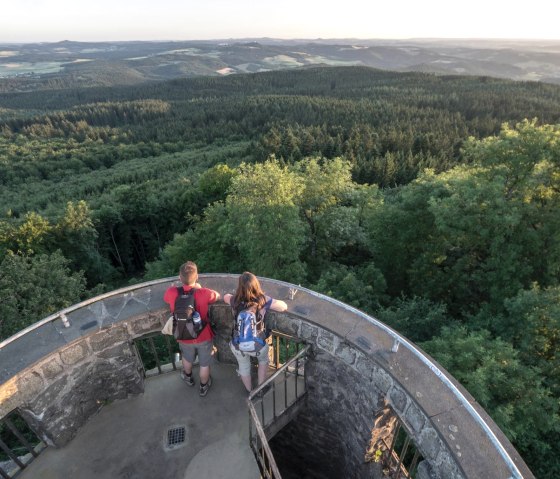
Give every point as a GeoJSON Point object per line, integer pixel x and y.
{"type": "Point", "coordinates": [244, 359]}
{"type": "Point", "coordinates": [204, 351]}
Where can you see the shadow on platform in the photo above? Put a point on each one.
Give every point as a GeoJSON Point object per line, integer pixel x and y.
{"type": "Point", "coordinates": [129, 439]}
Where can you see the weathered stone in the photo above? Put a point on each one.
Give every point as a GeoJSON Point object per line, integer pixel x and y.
{"type": "Point", "coordinates": [11, 396]}
{"type": "Point", "coordinates": [327, 341]}
{"type": "Point", "coordinates": [108, 337]}
{"type": "Point", "coordinates": [364, 366]}
{"type": "Point", "coordinates": [51, 368]}
{"type": "Point", "coordinates": [29, 384]}
{"type": "Point", "coordinates": [346, 353]}
{"type": "Point", "coordinates": [398, 399]}
{"type": "Point", "coordinates": [74, 353]}
{"type": "Point", "coordinates": [119, 351]}
{"type": "Point", "coordinates": [424, 471]}
{"type": "Point", "coordinates": [49, 397]}
{"type": "Point", "coordinates": [382, 380]}
{"type": "Point", "coordinates": [146, 324]}
{"type": "Point", "coordinates": [429, 443]}
{"type": "Point", "coordinates": [287, 325]}
{"type": "Point", "coordinates": [446, 466]}
{"type": "Point", "coordinates": [309, 332]}
{"type": "Point", "coordinates": [415, 417]}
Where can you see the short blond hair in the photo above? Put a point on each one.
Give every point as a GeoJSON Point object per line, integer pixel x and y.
{"type": "Point", "coordinates": [188, 273]}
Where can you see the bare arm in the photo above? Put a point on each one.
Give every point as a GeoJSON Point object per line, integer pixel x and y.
{"type": "Point", "coordinates": [278, 305]}
{"type": "Point", "coordinates": [227, 298]}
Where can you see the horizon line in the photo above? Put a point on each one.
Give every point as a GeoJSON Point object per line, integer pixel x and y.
{"type": "Point", "coordinates": [323, 39]}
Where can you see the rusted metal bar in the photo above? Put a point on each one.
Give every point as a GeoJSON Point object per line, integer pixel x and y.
{"type": "Point", "coordinates": [20, 436]}
{"type": "Point", "coordinates": [275, 473]}
{"type": "Point", "coordinates": [154, 352]}
{"type": "Point", "coordinates": [12, 454]}
{"type": "Point", "coordinates": [4, 474]}
{"type": "Point", "coordinates": [168, 344]}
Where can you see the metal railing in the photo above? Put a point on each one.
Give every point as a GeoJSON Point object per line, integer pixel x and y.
{"type": "Point", "coordinates": [157, 351]}
{"type": "Point", "coordinates": [401, 457]}
{"type": "Point", "coordinates": [271, 400]}
{"type": "Point", "coordinates": [19, 445]}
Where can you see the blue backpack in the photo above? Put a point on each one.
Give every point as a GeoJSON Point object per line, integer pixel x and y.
{"type": "Point", "coordinates": [249, 330]}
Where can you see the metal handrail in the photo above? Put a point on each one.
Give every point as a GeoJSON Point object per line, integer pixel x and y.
{"type": "Point", "coordinates": [266, 452]}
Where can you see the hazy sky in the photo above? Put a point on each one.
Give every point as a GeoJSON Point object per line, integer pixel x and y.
{"type": "Point", "coordinates": [93, 20]}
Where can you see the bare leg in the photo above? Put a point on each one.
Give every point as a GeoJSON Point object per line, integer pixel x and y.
{"type": "Point", "coordinates": [247, 382]}
{"type": "Point", "coordinates": [204, 373]}
{"type": "Point", "coordinates": [263, 367]}
{"type": "Point", "coordinates": [187, 367]}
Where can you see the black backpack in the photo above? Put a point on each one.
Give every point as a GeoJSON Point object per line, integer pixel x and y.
{"type": "Point", "coordinates": [184, 312]}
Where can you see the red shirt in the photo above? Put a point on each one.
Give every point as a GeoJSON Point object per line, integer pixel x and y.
{"type": "Point", "coordinates": [202, 298]}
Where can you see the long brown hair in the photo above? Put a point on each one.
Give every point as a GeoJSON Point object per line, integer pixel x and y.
{"type": "Point", "coordinates": [249, 291]}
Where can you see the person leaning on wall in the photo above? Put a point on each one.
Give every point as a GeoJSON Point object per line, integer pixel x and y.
{"type": "Point", "coordinates": [203, 344]}
{"type": "Point", "coordinates": [250, 294]}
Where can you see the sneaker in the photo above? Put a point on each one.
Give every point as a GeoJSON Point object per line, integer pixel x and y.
{"type": "Point", "coordinates": [204, 388]}
{"type": "Point", "coordinates": [189, 380]}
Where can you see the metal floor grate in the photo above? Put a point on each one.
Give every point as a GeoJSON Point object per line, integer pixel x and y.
{"type": "Point", "coordinates": [175, 436]}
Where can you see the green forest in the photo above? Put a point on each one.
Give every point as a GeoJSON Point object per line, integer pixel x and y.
{"type": "Point", "coordinates": [429, 202]}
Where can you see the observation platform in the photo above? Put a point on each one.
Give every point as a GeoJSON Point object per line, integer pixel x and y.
{"type": "Point", "coordinates": [76, 379]}
{"type": "Point", "coordinates": [128, 438]}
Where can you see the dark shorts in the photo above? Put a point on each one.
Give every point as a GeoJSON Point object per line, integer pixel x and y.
{"type": "Point", "coordinates": [203, 350]}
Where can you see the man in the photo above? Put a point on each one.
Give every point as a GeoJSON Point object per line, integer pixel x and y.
{"type": "Point", "coordinates": [202, 345]}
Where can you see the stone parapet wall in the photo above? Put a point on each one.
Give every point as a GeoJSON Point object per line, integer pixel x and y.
{"type": "Point", "coordinates": [59, 393]}
{"type": "Point", "coordinates": [346, 389]}
{"type": "Point", "coordinates": [64, 369]}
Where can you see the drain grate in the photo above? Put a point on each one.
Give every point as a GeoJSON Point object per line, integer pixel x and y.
{"type": "Point", "coordinates": [175, 436]}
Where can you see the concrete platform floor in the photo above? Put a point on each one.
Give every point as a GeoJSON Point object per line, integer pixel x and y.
{"type": "Point", "coordinates": [128, 439]}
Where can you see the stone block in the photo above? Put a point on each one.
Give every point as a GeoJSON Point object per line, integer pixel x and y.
{"type": "Point", "coordinates": [364, 367]}
{"type": "Point", "coordinates": [429, 443]}
{"type": "Point", "coordinates": [29, 384]}
{"type": "Point", "coordinates": [51, 368]}
{"type": "Point", "coordinates": [11, 396]}
{"type": "Point", "coordinates": [74, 353]}
{"type": "Point", "coordinates": [346, 353]}
{"type": "Point", "coordinates": [424, 471]}
{"type": "Point", "coordinates": [49, 398]}
{"type": "Point", "coordinates": [287, 324]}
{"type": "Point", "coordinates": [118, 351]}
{"type": "Point", "coordinates": [106, 338]}
{"type": "Point", "coordinates": [146, 324]}
{"type": "Point", "coordinates": [309, 332]}
{"type": "Point", "coordinates": [446, 466]}
{"type": "Point", "coordinates": [415, 418]}
{"type": "Point", "coordinates": [398, 399]}
{"type": "Point", "coordinates": [382, 380]}
{"type": "Point", "coordinates": [327, 341]}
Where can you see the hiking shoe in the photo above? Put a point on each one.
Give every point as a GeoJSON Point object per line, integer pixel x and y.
{"type": "Point", "coordinates": [204, 388]}
{"type": "Point", "coordinates": [189, 380]}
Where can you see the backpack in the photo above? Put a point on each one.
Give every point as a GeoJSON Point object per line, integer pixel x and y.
{"type": "Point", "coordinates": [183, 325]}
{"type": "Point", "coordinates": [249, 331]}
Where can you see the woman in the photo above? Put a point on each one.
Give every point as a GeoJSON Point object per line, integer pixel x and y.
{"type": "Point", "coordinates": [250, 295]}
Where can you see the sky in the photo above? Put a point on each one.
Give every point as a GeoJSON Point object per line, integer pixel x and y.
{"type": "Point", "coordinates": [118, 20]}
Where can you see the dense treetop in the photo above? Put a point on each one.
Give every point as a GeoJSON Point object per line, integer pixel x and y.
{"type": "Point", "coordinates": [429, 202]}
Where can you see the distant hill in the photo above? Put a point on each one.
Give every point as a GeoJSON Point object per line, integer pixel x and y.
{"type": "Point", "coordinates": [39, 66]}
